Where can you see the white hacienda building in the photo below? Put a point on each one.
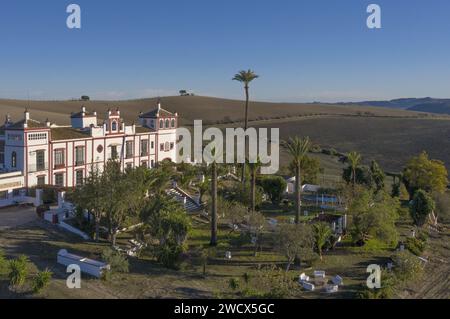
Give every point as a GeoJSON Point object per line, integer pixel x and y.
{"type": "Point", "coordinates": [34, 154]}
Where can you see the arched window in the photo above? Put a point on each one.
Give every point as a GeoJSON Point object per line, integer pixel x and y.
{"type": "Point", "coordinates": [173, 122]}
{"type": "Point", "coordinates": [167, 123]}
{"type": "Point", "coordinates": [14, 160]}
{"type": "Point", "coordinates": [114, 126]}
{"type": "Point", "coordinates": [161, 124]}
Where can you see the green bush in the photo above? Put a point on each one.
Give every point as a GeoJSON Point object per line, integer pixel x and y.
{"type": "Point", "coordinates": [116, 260]}
{"type": "Point", "coordinates": [169, 255]}
{"type": "Point", "coordinates": [274, 187]}
{"type": "Point", "coordinates": [3, 263]}
{"type": "Point", "coordinates": [234, 283]}
{"type": "Point", "coordinates": [416, 245]}
{"type": "Point", "coordinates": [407, 267]}
{"type": "Point", "coordinates": [18, 270]}
{"type": "Point", "coordinates": [41, 280]}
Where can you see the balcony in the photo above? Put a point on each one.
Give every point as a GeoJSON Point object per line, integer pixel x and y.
{"type": "Point", "coordinates": [79, 163]}
{"type": "Point", "coordinates": [33, 168]}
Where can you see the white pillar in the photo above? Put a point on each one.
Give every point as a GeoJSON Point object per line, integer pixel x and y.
{"type": "Point", "coordinates": [38, 199]}
{"type": "Point", "coordinates": [61, 196]}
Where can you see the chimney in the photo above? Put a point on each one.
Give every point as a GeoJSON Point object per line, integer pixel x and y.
{"type": "Point", "coordinates": [7, 120]}
{"type": "Point", "coordinates": [83, 110]}
{"type": "Point", "coordinates": [47, 123]}
{"type": "Point", "coordinates": [26, 115]}
{"type": "Point", "coordinates": [95, 113]}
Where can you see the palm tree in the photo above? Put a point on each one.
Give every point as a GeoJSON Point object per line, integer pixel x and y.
{"type": "Point", "coordinates": [322, 233]}
{"type": "Point", "coordinates": [297, 149]}
{"type": "Point", "coordinates": [354, 159]}
{"type": "Point", "coordinates": [245, 77]}
{"type": "Point", "coordinates": [254, 168]}
{"type": "Point", "coordinates": [213, 241]}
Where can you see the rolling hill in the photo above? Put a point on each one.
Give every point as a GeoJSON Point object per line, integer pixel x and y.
{"type": "Point", "coordinates": [210, 110]}
{"type": "Point", "coordinates": [389, 135]}
{"type": "Point", "coordinates": [428, 104]}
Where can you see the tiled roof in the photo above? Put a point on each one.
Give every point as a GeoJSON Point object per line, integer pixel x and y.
{"type": "Point", "coordinates": [68, 133]}
{"type": "Point", "coordinates": [141, 129]}
{"type": "Point", "coordinates": [30, 124]}
{"type": "Point", "coordinates": [156, 112]}
{"type": "Point", "coordinates": [80, 115]}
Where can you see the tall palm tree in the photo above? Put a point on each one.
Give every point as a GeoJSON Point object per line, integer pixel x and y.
{"type": "Point", "coordinates": [213, 241]}
{"type": "Point", "coordinates": [297, 149]}
{"type": "Point", "coordinates": [254, 168]}
{"type": "Point", "coordinates": [354, 159]}
{"type": "Point", "coordinates": [245, 77]}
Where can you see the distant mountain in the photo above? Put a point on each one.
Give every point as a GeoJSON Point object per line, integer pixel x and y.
{"type": "Point", "coordinates": [427, 104]}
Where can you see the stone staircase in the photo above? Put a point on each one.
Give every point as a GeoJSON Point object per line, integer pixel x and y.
{"type": "Point", "coordinates": [188, 202]}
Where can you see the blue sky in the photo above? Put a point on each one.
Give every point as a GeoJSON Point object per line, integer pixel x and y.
{"type": "Point", "coordinates": [304, 50]}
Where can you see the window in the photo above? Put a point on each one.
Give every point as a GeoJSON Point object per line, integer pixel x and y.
{"type": "Point", "coordinates": [114, 126]}
{"type": "Point", "coordinates": [59, 158]}
{"type": "Point", "coordinates": [114, 154]}
{"type": "Point", "coordinates": [173, 122]}
{"type": "Point", "coordinates": [172, 145]}
{"type": "Point", "coordinates": [59, 180]}
{"type": "Point", "coordinates": [14, 160]}
{"type": "Point", "coordinates": [4, 195]}
{"type": "Point", "coordinates": [129, 149]}
{"type": "Point", "coordinates": [14, 137]}
{"type": "Point", "coordinates": [167, 146]}
{"type": "Point", "coordinates": [2, 152]}
{"type": "Point", "coordinates": [152, 164]}
{"type": "Point", "coordinates": [37, 136]}
{"type": "Point", "coordinates": [144, 147]}
{"type": "Point", "coordinates": [79, 178]}
{"type": "Point", "coordinates": [40, 160]}
{"type": "Point", "coordinates": [40, 180]}
{"type": "Point", "coordinates": [161, 124]}
{"type": "Point", "coordinates": [161, 147]}
{"type": "Point", "coordinates": [152, 145]}
{"type": "Point", "coordinates": [79, 155]}
{"type": "Point", "coordinates": [167, 123]}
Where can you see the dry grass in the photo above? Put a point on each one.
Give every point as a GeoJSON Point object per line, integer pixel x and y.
{"type": "Point", "coordinates": [210, 110]}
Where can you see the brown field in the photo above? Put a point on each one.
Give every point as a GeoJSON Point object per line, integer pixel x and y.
{"type": "Point", "coordinates": [390, 141]}
{"type": "Point", "coordinates": [210, 110]}
{"type": "Point", "coordinates": [386, 135]}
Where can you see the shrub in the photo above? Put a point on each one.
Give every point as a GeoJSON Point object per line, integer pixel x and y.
{"type": "Point", "coordinates": [274, 187]}
{"type": "Point", "coordinates": [3, 263]}
{"type": "Point", "coordinates": [422, 205]}
{"type": "Point", "coordinates": [41, 280]}
{"type": "Point", "coordinates": [407, 267]}
{"type": "Point", "coordinates": [234, 284]}
{"type": "Point", "coordinates": [169, 255]}
{"type": "Point", "coordinates": [416, 246]}
{"type": "Point", "coordinates": [116, 260]}
{"type": "Point", "coordinates": [18, 271]}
